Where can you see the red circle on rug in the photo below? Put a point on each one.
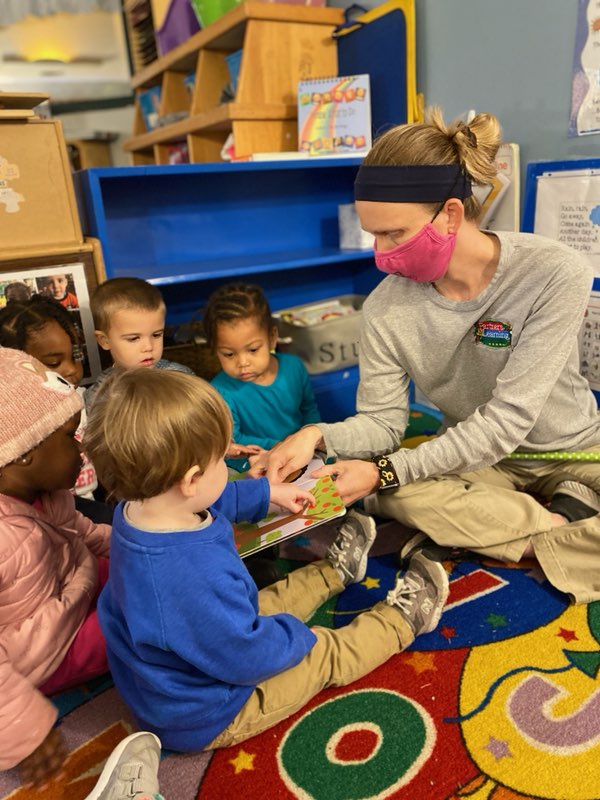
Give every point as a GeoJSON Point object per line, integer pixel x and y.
{"type": "Point", "coordinates": [357, 745]}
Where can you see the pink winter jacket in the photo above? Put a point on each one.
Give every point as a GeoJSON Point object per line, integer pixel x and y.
{"type": "Point", "coordinates": [48, 578]}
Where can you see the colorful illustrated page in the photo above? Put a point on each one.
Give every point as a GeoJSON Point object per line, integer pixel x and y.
{"type": "Point", "coordinates": [275, 527]}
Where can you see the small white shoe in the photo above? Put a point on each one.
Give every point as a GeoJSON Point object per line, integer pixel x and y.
{"type": "Point", "coordinates": [131, 770]}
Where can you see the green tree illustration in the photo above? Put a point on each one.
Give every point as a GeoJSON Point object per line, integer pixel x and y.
{"type": "Point", "coordinates": [249, 535]}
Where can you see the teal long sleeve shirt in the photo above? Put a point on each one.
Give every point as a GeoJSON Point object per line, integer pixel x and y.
{"type": "Point", "coordinates": [265, 415]}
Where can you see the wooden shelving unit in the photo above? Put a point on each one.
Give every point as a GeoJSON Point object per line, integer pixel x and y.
{"type": "Point", "coordinates": [190, 228]}
{"type": "Point", "coordinates": [281, 44]}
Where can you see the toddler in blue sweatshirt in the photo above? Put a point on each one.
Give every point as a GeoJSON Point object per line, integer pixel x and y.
{"type": "Point", "coordinates": [201, 657]}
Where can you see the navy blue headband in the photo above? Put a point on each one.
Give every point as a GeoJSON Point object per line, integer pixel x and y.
{"type": "Point", "coordinates": [412, 183]}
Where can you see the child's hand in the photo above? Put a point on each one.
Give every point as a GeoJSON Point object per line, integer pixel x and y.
{"type": "Point", "coordinates": [291, 497]}
{"type": "Point", "coordinates": [45, 762]}
{"type": "Point", "coordinates": [259, 463]}
{"type": "Point", "coordinates": [237, 450]}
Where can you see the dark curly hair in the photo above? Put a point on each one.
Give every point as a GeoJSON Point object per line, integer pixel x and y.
{"type": "Point", "coordinates": [233, 302]}
{"type": "Point", "coordinates": [18, 320]}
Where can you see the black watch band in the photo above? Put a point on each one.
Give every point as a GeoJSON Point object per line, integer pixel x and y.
{"type": "Point", "coordinates": [388, 479]}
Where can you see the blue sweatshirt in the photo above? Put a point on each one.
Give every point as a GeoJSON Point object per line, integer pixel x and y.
{"type": "Point", "coordinates": [186, 644]}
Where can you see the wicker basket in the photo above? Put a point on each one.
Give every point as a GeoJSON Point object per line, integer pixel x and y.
{"type": "Point", "coordinates": [194, 353]}
{"type": "Point", "coordinates": [195, 356]}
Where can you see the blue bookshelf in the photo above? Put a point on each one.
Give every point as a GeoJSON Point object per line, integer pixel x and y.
{"type": "Point", "coordinates": [190, 228]}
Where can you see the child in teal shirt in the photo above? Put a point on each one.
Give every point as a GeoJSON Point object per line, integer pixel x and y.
{"type": "Point", "coordinates": [269, 394]}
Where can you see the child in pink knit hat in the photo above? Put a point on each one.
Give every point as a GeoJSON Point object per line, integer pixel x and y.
{"type": "Point", "coordinates": [53, 563]}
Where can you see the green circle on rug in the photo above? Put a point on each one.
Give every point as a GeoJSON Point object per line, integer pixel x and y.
{"type": "Point", "coordinates": [398, 737]}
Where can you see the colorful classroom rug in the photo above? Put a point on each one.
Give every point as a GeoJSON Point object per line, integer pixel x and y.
{"type": "Point", "coordinates": [501, 702]}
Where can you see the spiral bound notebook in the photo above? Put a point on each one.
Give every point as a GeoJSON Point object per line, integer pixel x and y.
{"type": "Point", "coordinates": [334, 115]}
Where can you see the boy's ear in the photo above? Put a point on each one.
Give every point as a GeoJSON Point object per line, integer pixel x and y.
{"type": "Point", "coordinates": [102, 340]}
{"type": "Point", "coordinates": [273, 336]}
{"type": "Point", "coordinates": [188, 483]}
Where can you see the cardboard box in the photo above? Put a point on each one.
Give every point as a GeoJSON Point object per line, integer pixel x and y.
{"type": "Point", "coordinates": [37, 200]}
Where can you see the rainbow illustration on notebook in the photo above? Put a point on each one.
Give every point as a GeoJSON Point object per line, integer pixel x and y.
{"type": "Point", "coordinates": [334, 115]}
{"type": "Point", "coordinates": [253, 536]}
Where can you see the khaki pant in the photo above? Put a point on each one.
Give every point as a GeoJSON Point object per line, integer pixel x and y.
{"type": "Point", "coordinates": [489, 512]}
{"type": "Point", "coordinates": [338, 657]}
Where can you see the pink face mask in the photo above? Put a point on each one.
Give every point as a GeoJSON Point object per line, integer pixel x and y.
{"type": "Point", "coordinates": [423, 258]}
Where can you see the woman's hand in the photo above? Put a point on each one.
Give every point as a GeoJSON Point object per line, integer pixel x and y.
{"type": "Point", "coordinates": [288, 456]}
{"type": "Point", "coordinates": [238, 450]}
{"type": "Point", "coordinates": [353, 479]}
{"type": "Point", "coordinates": [289, 496]}
{"type": "Point", "coordinates": [45, 762]}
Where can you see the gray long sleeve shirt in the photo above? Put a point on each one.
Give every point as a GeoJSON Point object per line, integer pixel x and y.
{"type": "Point", "coordinates": [502, 367]}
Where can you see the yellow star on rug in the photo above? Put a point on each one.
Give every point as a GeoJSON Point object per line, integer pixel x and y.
{"type": "Point", "coordinates": [421, 662]}
{"type": "Point", "coordinates": [243, 761]}
{"type": "Point", "coordinates": [370, 583]}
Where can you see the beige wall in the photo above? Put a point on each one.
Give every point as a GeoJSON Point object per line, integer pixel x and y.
{"type": "Point", "coordinates": [97, 35]}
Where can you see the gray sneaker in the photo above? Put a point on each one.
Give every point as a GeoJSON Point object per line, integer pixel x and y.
{"type": "Point", "coordinates": [574, 501]}
{"type": "Point", "coordinates": [350, 551]}
{"type": "Point", "coordinates": [421, 593]}
{"type": "Point", "coordinates": [131, 771]}
{"type": "Point", "coordinates": [420, 542]}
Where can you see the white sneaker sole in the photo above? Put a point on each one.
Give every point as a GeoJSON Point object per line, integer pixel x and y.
{"type": "Point", "coordinates": [113, 760]}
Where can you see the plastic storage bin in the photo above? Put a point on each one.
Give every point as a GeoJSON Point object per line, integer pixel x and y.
{"type": "Point", "coordinates": [326, 346]}
{"type": "Point", "coordinates": [180, 23]}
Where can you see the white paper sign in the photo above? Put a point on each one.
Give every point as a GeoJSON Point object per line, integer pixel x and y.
{"type": "Point", "coordinates": [568, 209]}
{"type": "Point", "coordinates": [589, 342]}
{"type": "Point", "coordinates": [585, 93]}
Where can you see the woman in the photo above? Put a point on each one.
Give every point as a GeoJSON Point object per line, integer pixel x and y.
{"type": "Point", "coordinates": [486, 325]}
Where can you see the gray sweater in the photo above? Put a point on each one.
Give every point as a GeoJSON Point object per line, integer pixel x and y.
{"type": "Point", "coordinates": [162, 363]}
{"type": "Point", "coordinates": [502, 367]}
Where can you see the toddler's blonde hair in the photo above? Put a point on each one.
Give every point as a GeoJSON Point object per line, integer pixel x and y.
{"type": "Point", "coordinates": [147, 427]}
{"type": "Point", "coordinates": [473, 146]}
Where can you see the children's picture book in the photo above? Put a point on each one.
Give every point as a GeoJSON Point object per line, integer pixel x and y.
{"type": "Point", "coordinates": [334, 115]}
{"type": "Point", "coordinates": [500, 208]}
{"type": "Point", "coordinates": [275, 527]}
{"type": "Point", "coordinates": [234, 62]}
{"type": "Point", "coordinates": [150, 106]}
{"type": "Point", "coordinates": [189, 82]}
{"type": "Point", "coordinates": [490, 196]}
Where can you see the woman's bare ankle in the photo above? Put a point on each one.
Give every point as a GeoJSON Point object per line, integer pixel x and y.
{"type": "Point", "coordinates": [558, 520]}
{"type": "Point", "coordinates": [529, 551]}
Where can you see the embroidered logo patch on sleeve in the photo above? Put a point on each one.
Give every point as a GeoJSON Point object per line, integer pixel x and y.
{"type": "Point", "coordinates": [492, 333]}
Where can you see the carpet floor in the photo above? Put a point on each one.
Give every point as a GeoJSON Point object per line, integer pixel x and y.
{"type": "Point", "coordinates": [501, 702]}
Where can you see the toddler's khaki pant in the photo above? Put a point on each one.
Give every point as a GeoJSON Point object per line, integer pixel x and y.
{"type": "Point", "coordinates": [339, 657]}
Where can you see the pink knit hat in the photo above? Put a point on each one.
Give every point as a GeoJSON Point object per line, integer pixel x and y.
{"type": "Point", "coordinates": [34, 403]}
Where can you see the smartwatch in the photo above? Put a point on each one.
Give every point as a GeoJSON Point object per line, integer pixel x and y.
{"type": "Point", "coordinates": [388, 479]}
